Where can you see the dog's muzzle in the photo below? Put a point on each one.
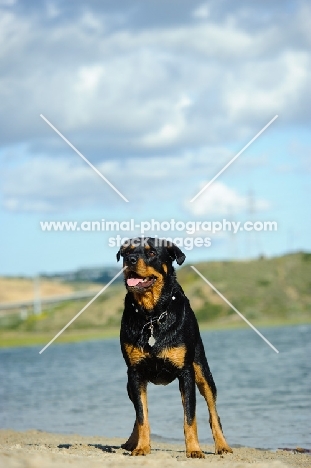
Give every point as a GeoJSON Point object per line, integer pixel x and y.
{"type": "Point", "coordinates": [139, 283]}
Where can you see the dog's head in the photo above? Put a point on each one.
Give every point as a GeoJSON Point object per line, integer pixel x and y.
{"type": "Point", "coordinates": [148, 263]}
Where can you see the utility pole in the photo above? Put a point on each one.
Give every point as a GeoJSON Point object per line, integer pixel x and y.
{"type": "Point", "coordinates": [233, 254]}
{"type": "Point", "coordinates": [36, 296]}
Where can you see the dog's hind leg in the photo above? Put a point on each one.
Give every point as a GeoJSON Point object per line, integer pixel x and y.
{"type": "Point", "coordinates": [187, 390]}
{"type": "Point", "coordinates": [207, 388]}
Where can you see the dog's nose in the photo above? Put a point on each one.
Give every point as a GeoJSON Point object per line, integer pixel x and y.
{"type": "Point", "coordinates": [132, 259]}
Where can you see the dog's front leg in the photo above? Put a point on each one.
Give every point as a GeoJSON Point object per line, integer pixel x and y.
{"type": "Point", "coordinates": [138, 390]}
{"type": "Point", "coordinates": [187, 390]}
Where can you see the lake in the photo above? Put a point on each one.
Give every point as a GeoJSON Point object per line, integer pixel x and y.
{"type": "Point", "coordinates": [263, 397]}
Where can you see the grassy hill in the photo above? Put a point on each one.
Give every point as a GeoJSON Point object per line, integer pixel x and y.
{"type": "Point", "coordinates": [265, 291]}
{"type": "Point", "coordinates": [22, 289]}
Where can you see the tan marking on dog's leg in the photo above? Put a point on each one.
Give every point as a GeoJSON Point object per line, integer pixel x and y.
{"type": "Point", "coordinates": [143, 444]}
{"type": "Point", "coordinates": [175, 355]}
{"type": "Point", "coordinates": [221, 445]}
{"type": "Point", "coordinates": [135, 354]}
{"type": "Point", "coordinates": [193, 449]}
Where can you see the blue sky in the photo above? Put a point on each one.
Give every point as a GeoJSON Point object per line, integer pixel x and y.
{"type": "Point", "coordinates": [159, 96]}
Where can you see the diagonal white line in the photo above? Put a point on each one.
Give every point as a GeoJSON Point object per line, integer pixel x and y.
{"type": "Point", "coordinates": [233, 159]}
{"type": "Point", "coordinates": [235, 310]}
{"type": "Point", "coordinates": [83, 157]}
{"type": "Point", "coordinates": [85, 307]}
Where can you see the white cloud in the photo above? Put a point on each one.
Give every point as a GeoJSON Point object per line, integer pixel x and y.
{"type": "Point", "coordinates": [47, 184]}
{"type": "Point", "coordinates": [264, 93]}
{"type": "Point", "coordinates": [57, 184]}
{"type": "Point", "coordinates": [127, 85]}
{"type": "Point", "coordinates": [178, 94]}
{"type": "Point", "coordinates": [171, 131]}
{"type": "Point", "coordinates": [219, 199]}
{"type": "Point", "coordinates": [88, 78]}
{"type": "Point", "coordinates": [52, 9]}
{"type": "Point", "coordinates": [7, 2]}
{"type": "Point", "coordinates": [202, 11]}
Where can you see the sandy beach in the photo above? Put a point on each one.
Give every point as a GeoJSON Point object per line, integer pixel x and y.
{"type": "Point", "coordinates": [36, 449]}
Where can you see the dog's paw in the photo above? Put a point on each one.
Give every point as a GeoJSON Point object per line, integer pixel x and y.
{"type": "Point", "coordinates": [195, 454]}
{"type": "Point", "coordinates": [128, 445]}
{"type": "Point", "coordinates": [222, 448]}
{"type": "Point", "coordinates": [141, 451]}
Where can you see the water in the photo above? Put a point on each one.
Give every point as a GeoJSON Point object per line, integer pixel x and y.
{"type": "Point", "coordinates": [263, 397]}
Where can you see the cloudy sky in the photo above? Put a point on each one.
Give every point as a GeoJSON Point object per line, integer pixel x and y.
{"type": "Point", "coordinates": [158, 96]}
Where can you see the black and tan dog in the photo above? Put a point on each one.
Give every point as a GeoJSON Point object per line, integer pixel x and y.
{"type": "Point", "coordinates": [160, 342]}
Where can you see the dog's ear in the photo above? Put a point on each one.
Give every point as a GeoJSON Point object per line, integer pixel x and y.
{"type": "Point", "coordinates": [118, 255]}
{"type": "Point", "coordinates": [175, 253]}
{"type": "Point", "coordinates": [122, 248]}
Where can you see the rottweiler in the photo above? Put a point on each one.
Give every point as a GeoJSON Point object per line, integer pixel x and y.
{"type": "Point", "coordinates": [160, 341]}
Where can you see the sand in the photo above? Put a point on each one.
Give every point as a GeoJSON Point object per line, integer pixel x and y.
{"type": "Point", "coordinates": [36, 449]}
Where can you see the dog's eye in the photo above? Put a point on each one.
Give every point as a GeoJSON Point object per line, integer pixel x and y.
{"type": "Point", "coordinates": [151, 254]}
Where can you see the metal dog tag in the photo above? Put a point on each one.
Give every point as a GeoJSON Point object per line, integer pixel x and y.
{"type": "Point", "coordinates": [151, 340]}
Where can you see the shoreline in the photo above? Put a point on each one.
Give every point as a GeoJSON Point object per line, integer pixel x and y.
{"type": "Point", "coordinates": [33, 449]}
{"type": "Point", "coordinates": [11, 339]}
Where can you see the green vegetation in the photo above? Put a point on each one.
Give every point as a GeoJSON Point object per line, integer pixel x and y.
{"type": "Point", "coordinates": [266, 291]}
{"type": "Point", "coordinates": [276, 289]}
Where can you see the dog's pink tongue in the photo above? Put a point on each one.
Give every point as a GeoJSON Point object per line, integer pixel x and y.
{"type": "Point", "coordinates": [133, 281]}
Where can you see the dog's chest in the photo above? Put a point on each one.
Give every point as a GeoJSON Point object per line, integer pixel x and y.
{"type": "Point", "coordinates": [138, 356]}
{"type": "Point", "coordinates": [162, 367]}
